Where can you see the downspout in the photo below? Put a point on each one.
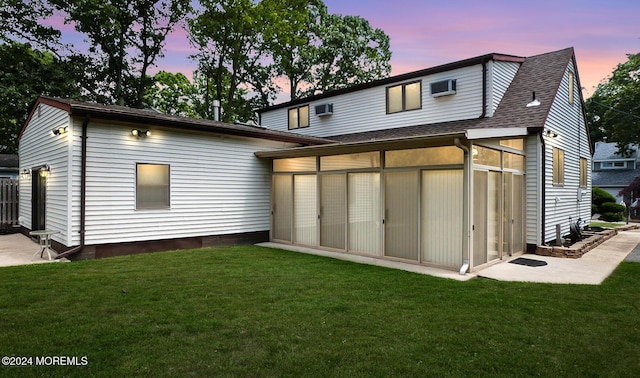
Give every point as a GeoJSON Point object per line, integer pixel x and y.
{"type": "Point", "coordinates": [484, 90]}
{"type": "Point", "coordinates": [465, 215]}
{"type": "Point", "coordinates": [83, 190]}
{"type": "Point", "coordinates": [544, 184]}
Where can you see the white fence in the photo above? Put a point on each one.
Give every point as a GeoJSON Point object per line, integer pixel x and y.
{"type": "Point", "coordinates": [8, 204]}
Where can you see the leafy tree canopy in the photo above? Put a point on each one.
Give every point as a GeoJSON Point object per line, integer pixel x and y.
{"type": "Point", "coordinates": [613, 111]}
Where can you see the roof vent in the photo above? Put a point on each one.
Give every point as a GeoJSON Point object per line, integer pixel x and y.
{"type": "Point", "coordinates": [324, 110]}
{"type": "Point", "coordinates": [443, 88]}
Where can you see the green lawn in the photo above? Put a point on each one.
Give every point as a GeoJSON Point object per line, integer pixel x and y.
{"type": "Point", "coordinates": [258, 312]}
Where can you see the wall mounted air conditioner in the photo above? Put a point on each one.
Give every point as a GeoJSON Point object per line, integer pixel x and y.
{"type": "Point", "coordinates": [324, 110]}
{"type": "Point", "coordinates": [443, 88]}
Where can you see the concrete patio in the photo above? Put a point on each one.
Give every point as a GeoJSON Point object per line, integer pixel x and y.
{"type": "Point", "coordinates": [17, 249]}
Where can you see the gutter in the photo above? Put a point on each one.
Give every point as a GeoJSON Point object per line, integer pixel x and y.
{"type": "Point", "coordinates": [83, 191]}
{"type": "Point", "coordinates": [465, 208]}
{"type": "Point", "coordinates": [542, 190]}
{"type": "Point", "coordinates": [484, 89]}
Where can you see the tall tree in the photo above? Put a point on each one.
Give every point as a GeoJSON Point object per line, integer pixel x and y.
{"type": "Point", "coordinates": [227, 35]}
{"type": "Point", "coordinates": [25, 74]}
{"type": "Point", "coordinates": [613, 111]}
{"type": "Point", "coordinates": [351, 52]}
{"type": "Point", "coordinates": [23, 20]}
{"type": "Point", "coordinates": [128, 35]}
{"type": "Point", "coordinates": [173, 94]}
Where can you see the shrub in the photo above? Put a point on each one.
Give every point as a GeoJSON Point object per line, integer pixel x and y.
{"type": "Point", "coordinates": [612, 217]}
{"type": "Point", "coordinates": [612, 207]}
{"type": "Point", "coordinates": [600, 196]}
{"type": "Point", "coordinates": [605, 204]}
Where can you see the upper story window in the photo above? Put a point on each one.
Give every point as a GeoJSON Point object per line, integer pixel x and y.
{"type": "Point", "coordinates": [299, 117]}
{"type": "Point", "coordinates": [558, 166]}
{"type": "Point", "coordinates": [614, 165]}
{"type": "Point", "coordinates": [402, 97]}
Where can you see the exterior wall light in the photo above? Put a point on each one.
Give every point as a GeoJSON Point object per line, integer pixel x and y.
{"type": "Point", "coordinates": [534, 101]}
{"type": "Point", "coordinates": [140, 133]}
{"type": "Point", "coordinates": [59, 130]}
{"type": "Point", "coordinates": [549, 133]}
{"type": "Point", "coordinates": [25, 173]}
{"type": "Point", "coordinates": [45, 170]}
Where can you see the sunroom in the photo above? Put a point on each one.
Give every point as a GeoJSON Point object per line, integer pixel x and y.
{"type": "Point", "coordinates": [443, 201]}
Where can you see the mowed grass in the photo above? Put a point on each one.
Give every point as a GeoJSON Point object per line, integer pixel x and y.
{"type": "Point", "coordinates": [259, 312]}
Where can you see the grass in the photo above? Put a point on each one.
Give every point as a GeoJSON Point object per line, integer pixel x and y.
{"type": "Point", "coordinates": [606, 224]}
{"type": "Point", "coordinates": [259, 312]}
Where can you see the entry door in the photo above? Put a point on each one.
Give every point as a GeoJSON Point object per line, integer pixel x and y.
{"type": "Point", "coordinates": [38, 200]}
{"type": "Point", "coordinates": [513, 214]}
{"type": "Point", "coordinates": [486, 216]}
{"type": "Point", "coordinates": [401, 214]}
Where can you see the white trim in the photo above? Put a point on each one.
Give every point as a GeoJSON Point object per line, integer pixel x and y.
{"type": "Point", "coordinates": [496, 133]}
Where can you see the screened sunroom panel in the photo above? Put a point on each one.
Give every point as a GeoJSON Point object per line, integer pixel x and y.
{"type": "Point", "coordinates": [282, 207]}
{"type": "Point", "coordinates": [305, 214]}
{"type": "Point", "coordinates": [333, 201]}
{"type": "Point", "coordinates": [364, 213]}
{"type": "Point", "coordinates": [401, 215]}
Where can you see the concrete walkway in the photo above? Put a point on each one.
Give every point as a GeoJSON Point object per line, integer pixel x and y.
{"type": "Point", "coordinates": [17, 249]}
{"type": "Point", "coordinates": [591, 269]}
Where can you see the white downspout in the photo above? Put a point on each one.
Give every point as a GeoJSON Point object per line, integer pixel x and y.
{"type": "Point", "coordinates": [467, 168]}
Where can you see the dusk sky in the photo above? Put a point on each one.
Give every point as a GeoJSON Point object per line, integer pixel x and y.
{"type": "Point", "coordinates": [428, 33]}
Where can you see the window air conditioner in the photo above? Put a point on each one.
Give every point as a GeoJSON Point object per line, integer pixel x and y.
{"type": "Point", "coordinates": [443, 88]}
{"type": "Point", "coordinates": [324, 110]}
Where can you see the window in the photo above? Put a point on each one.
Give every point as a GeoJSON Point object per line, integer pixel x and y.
{"type": "Point", "coordinates": [558, 166]}
{"type": "Point", "coordinates": [424, 156]}
{"type": "Point", "coordinates": [403, 97]}
{"type": "Point", "coordinates": [583, 172]}
{"type": "Point", "coordinates": [614, 165]}
{"type": "Point", "coordinates": [152, 186]}
{"type": "Point", "coordinates": [571, 79]}
{"type": "Point", "coordinates": [299, 117]}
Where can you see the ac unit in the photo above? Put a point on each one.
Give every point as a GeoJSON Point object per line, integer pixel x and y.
{"type": "Point", "coordinates": [324, 110]}
{"type": "Point", "coordinates": [443, 88]}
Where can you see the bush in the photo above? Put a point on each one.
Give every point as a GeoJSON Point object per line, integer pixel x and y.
{"type": "Point", "coordinates": [612, 207]}
{"type": "Point", "coordinates": [605, 204]}
{"type": "Point", "coordinates": [612, 217]}
{"type": "Point", "coordinates": [600, 196]}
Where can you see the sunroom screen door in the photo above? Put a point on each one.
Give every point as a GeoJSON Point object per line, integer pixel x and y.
{"type": "Point", "coordinates": [333, 202]}
{"type": "Point", "coordinates": [401, 214]}
{"type": "Point", "coordinates": [282, 207]}
{"type": "Point", "coordinates": [305, 214]}
{"type": "Point", "coordinates": [364, 213]}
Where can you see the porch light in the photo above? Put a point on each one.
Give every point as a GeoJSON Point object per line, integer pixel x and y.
{"type": "Point", "coordinates": [140, 133]}
{"type": "Point", "coordinates": [59, 130]}
{"type": "Point", "coordinates": [45, 170]}
{"type": "Point", "coordinates": [25, 173]}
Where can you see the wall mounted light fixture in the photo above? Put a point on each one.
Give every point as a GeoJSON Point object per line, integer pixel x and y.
{"type": "Point", "coordinates": [550, 133]}
{"type": "Point", "coordinates": [140, 133]}
{"type": "Point", "coordinates": [45, 170]}
{"type": "Point", "coordinates": [59, 130]}
{"type": "Point", "coordinates": [25, 173]}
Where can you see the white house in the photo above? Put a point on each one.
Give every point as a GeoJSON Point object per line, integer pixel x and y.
{"type": "Point", "coordinates": [114, 180]}
{"type": "Point", "coordinates": [457, 166]}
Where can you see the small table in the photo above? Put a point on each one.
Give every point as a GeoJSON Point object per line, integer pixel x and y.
{"type": "Point", "coordinates": [45, 241]}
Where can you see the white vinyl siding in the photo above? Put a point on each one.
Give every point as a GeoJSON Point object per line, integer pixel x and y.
{"type": "Point", "coordinates": [56, 155]}
{"type": "Point", "coordinates": [501, 74]}
{"type": "Point", "coordinates": [218, 186]}
{"type": "Point", "coordinates": [533, 199]}
{"type": "Point", "coordinates": [365, 110]}
{"type": "Point", "coordinates": [561, 202]}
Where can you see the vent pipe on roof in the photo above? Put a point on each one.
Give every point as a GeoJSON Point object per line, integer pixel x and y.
{"type": "Point", "coordinates": [216, 110]}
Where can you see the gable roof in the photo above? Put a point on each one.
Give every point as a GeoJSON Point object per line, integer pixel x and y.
{"type": "Point", "coordinates": [609, 151]}
{"type": "Point", "coordinates": [121, 113]}
{"type": "Point", "coordinates": [541, 74]}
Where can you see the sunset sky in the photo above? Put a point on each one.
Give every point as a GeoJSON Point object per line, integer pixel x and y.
{"type": "Point", "coordinates": [432, 32]}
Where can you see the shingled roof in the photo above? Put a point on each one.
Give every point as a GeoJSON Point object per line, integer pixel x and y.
{"type": "Point", "coordinates": [541, 74]}
{"type": "Point", "coordinates": [151, 117]}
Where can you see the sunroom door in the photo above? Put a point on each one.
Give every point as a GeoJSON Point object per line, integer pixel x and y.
{"type": "Point", "coordinates": [401, 214]}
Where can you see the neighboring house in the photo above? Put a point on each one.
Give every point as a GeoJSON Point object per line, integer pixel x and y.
{"type": "Point", "coordinates": [8, 166]}
{"type": "Point", "coordinates": [114, 180]}
{"type": "Point", "coordinates": [456, 166]}
{"type": "Point", "coordinates": [613, 171]}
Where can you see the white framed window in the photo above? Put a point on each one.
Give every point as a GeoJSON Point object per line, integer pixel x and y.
{"type": "Point", "coordinates": [406, 96]}
{"type": "Point", "coordinates": [299, 117]}
{"type": "Point", "coordinates": [152, 186]}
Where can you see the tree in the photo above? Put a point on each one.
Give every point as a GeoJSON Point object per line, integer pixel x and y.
{"type": "Point", "coordinates": [128, 35]}
{"type": "Point", "coordinates": [613, 111]}
{"type": "Point", "coordinates": [23, 20]}
{"type": "Point", "coordinates": [351, 52]}
{"type": "Point", "coordinates": [172, 94]}
{"type": "Point", "coordinates": [227, 34]}
{"type": "Point", "coordinates": [25, 74]}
